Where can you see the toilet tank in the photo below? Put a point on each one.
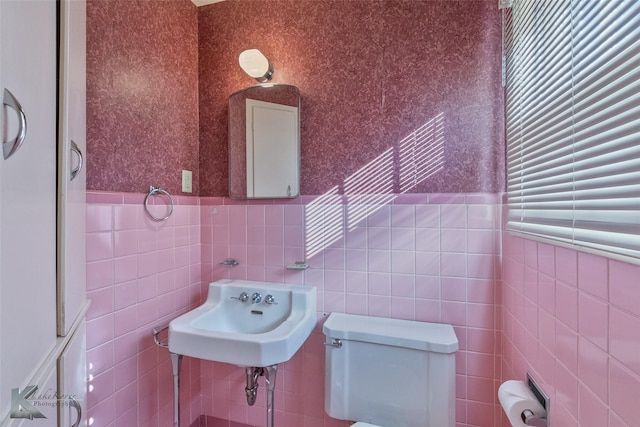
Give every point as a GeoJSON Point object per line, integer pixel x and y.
{"type": "Point", "coordinates": [390, 372]}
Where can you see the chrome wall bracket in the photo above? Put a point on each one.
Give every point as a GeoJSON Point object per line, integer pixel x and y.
{"type": "Point", "coordinates": [230, 262]}
{"type": "Point", "coordinates": [298, 265]}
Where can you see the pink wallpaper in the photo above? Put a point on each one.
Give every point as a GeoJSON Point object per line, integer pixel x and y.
{"type": "Point", "coordinates": [142, 94]}
{"type": "Point", "coordinates": [408, 89]}
{"type": "Point", "coordinates": [412, 87]}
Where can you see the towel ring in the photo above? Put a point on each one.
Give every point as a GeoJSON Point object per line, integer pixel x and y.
{"type": "Point", "coordinates": [154, 191]}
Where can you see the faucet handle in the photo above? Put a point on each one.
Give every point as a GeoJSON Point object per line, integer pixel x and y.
{"type": "Point", "coordinates": [269, 299]}
{"type": "Point", "coordinates": [243, 297]}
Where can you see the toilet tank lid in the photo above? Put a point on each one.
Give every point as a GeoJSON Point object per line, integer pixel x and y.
{"type": "Point", "coordinates": [435, 337]}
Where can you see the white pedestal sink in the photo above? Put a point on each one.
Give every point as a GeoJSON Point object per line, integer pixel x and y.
{"type": "Point", "coordinates": [252, 324]}
{"type": "Point", "coordinates": [246, 323]}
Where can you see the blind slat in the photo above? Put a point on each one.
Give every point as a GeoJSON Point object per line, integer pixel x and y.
{"type": "Point", "coordinates": [573, 122]}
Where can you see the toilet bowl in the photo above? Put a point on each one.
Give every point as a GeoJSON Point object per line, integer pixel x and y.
{"type": "Point", "coordinates": [385, 372]}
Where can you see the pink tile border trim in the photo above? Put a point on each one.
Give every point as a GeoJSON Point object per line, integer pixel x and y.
{"type": "Point", "coordinates": [396, 199]}
{"type": "Point", "coordinates": [117, 198]}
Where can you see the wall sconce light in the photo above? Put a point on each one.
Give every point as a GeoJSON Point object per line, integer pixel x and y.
{"type": "Point", "coordinates": [254, 63]}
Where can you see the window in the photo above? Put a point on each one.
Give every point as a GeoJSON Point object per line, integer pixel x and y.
{"type": "Point", "coordinates": [573, 122]}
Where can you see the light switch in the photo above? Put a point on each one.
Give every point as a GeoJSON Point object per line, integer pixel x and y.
{"type": "Point", "coordinates": [187, 181]}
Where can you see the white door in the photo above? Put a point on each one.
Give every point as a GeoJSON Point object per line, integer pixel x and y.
{"type": "Point", "coordinates": [71, 158]}
{"type": "Point", "coordinates": [27, 193]}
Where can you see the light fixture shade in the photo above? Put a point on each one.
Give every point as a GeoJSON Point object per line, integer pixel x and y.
{"type": "Point", "coordinates": [255, 64]}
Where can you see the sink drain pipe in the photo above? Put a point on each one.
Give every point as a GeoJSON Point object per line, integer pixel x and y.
{"type": "Point", "coordinates": [176, 364]}
{"type": "Point", "coordinates": [251, 390]}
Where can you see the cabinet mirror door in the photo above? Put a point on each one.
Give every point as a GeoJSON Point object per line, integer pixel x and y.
{"type": "Point", "coordinates": [264, 142]}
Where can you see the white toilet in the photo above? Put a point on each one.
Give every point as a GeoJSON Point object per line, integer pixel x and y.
{"type": "Point", "coordinates": [389, 373]}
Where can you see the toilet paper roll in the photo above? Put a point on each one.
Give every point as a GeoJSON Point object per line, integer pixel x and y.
{"type": "Point", "coordinates": [515, 397]}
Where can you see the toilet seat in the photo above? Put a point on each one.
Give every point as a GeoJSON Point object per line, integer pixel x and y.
{"type": "Point", "coordinates": [361, 424]}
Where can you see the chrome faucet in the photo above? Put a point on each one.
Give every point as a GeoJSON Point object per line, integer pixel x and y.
{"type": "Point", "coordinates": [256, 298]}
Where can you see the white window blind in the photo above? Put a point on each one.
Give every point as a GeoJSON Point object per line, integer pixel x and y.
{"type": "Point", "coordinates": [573, 121]}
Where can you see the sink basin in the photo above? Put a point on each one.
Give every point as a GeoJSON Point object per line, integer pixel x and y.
{"type": "Point", "coordinates": [246, 333]}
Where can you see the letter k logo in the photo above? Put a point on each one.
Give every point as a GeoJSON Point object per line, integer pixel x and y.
{"type": "Point", "coordinates": [21, 407]}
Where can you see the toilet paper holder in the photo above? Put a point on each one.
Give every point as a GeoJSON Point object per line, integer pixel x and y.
{"type": "Point", "coordinates": [528, 417]}
{"type": "Point", "coordinates": [531, 419]}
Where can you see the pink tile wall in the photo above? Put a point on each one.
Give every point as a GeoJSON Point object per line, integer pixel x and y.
{"type": "Point", "coordinates": [573, 319]}
{"type": "Point", "coordinates": [398, 80]}
{"type": "Point", "coordinates": [421, 257]}
{"type": "Point", "coordinates": [140, 274]}
{"type": "Point", "coordinates": [384, 259]}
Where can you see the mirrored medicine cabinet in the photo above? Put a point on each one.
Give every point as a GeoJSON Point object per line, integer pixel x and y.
{"type": "Point", "coordinates": [264, 142]}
